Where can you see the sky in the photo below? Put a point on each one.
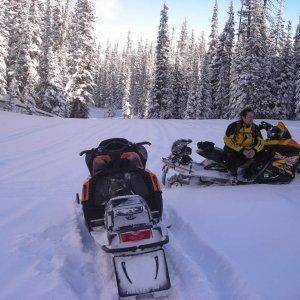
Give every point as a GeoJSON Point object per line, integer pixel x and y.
{"type": "Point", "coordinates": [141, 17]}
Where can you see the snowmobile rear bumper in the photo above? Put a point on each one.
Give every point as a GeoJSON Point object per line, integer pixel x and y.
{"type": "Point", "coordinates": [128, 268]}
{"type": "Point", "coordinates": [135, 248]}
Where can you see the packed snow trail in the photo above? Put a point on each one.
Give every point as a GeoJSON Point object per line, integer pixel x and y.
{"type": "Point", "coordinates": [225, 242]}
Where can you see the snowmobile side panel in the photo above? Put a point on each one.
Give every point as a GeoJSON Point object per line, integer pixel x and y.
{"type": "Point", "coordinates": [128, 269]}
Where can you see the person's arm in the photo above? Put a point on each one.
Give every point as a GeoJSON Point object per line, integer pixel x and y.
{"type": "Point", "coordinates": [259, 142]}
{"type": "Point", "coordinates": [229, 138]}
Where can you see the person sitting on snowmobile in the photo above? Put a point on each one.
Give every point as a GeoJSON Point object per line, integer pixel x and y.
{"type": "Point", "coordinates": [243, 142]}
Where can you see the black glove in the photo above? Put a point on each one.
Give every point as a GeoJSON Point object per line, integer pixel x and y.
{"type": "Point", "coordinates": [206, 146]}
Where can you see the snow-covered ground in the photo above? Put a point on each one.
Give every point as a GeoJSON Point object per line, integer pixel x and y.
{"type": "Point", "coordinates": [237, 242]}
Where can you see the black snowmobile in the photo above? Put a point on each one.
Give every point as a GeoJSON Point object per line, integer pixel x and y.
{"type": "Point", "coordinates": [124, 199]}
{"type": "Point", "coordinates": [281, 152]}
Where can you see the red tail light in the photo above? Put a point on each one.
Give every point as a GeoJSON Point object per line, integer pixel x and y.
{"type": "Point", "coordinates": [134, 236]}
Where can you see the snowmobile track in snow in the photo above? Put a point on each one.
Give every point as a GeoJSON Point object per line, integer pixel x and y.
{"type": "Point", "coordinates": [220, 280]}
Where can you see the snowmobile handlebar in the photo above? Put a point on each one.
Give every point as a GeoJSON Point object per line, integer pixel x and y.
{"type": "Point", "coordinates": [265, 125]}
{"type": "Point", "coordinates": [86, 151]}
{"type": "Point", "coordinates": [121, 149]}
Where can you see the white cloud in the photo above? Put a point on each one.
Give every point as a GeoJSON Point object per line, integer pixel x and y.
{"type": "Point", "coordinates": [107, 10]}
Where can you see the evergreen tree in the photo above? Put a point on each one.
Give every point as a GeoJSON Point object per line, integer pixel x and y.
{"type": "Point", "coordinates": [127, 61]}
{"type": "Point", "coordinates": [297, 71]}
{"type": "Point", "coordinates": [3, 49]}
{"type": "Point", "coordinates": [210, 69]}
{"type": "Point", "coordinates": [16, 15]}
{"type": "Point", "coordinates": [81, 51]}
{"type": "Point", "coordinates": [249, 82]}
{"type": "Point", "coordinates": [286, 78]}
{"type": "Point", "coordinates": [223, 65]}
{"type": "Point", "coordinates": [204, 91]}
{"type": "Point", "coordinates": [275, 42]}
{"type": "Point", "coordinates": [57, 16]}
{"type": "Point", "coordinates": [51, 94]}
{"type": "Point", "coordinates": [161, 103]}
{"type": "Point", "coordinates": [29, 52]}
{"type": "Point", "coordinates": [181, 75]}
{"type": "Point", "coordinates": [196, 54]}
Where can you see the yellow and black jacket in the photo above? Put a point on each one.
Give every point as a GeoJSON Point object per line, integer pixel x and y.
{"type": "Point", "coordinates": [238, 137]}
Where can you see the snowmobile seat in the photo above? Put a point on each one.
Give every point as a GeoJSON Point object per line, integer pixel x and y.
{"type": "Point", "coordinates": [209, 151]}
{"type": "Point", "coordinates": [114, 148]}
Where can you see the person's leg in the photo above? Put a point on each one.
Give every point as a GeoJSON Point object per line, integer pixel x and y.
{"type": "Point", "coordinates": [231, 162]}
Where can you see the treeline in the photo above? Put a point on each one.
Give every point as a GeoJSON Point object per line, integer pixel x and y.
{"type": "Point", "coordinates": [47, 55]}
{"type": "Point", "coordinates": [251, 62]}
{"type": "Point", "coordinates": [49, 60]}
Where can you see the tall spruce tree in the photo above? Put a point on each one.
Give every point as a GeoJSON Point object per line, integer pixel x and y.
{"type": "Point", "coordinates": [51, 94]}
{"type": "Point", "coordinates": [180, 86]}
{"type": "Point", "coordinates": [81, 52]}
{"type": "Point", "coordinates": [209, 70]}
{"type": "Point", "coordinates": [249, 86]}
{"type": "Point", "coordinates": [127, 110]}
{"type": "Point", "coordinates": [195, 59]}
{"type": "Point", "coordinates": [16, 16]}
{"type": "Point", "coordinates": [28, 57]}
{"type": "Point", "coordinates": [3, 48]}
{"type": "Point", "coordinates": [274, 44]}
{"type": "Point", "coordinates": [161, 103]}
{"type": "Point", "coordinates": [286, 77]}
{"type": "Point", "coordinates": [297, 71]}
{"type": "Point", "coordinates": [223, 60]}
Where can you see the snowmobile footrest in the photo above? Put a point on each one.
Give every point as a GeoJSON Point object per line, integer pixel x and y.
{"type": "Point", "coordinates": [97, 222]}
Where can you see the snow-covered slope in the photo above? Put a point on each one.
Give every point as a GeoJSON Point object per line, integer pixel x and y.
{"type": "Point", "coordinates": [226, 242]}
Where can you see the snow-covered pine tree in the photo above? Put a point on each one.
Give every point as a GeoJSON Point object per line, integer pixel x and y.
{"type": "Point", "coordinates": [127, 60]}
{"type": "Point", "coordinates": [146, 79]}
{"type": "Point", "coordinates": [286, 77]}
{"type": "Point", "coordinates": [180, 85]}
{"type": "Point", "coordinates": [3, 49]}
{"type": "Point", "coordinates": [113, 89]}
{"type": "Point", "coordinates": [150, 75]}
{"type": "Point", "coordinates": [103, 77]}
{"type": "Point", "coordinates": [57, 23]}
{"type": "Point", "coordinates": [16, 15]}
{"type": "Point", "coordinates": [204, 99]}
{"type": "Point", "coordinates": [81, 50]}
{"type": "Point", "coordinates": [63, 44]}
{"type": "Point", "coordinates": [275, 41]}
{"type": "Point", "coordinates": [136, 93]}
{"type": "Point", "coordinates": [223, 63]}
{"type": "Point", "coordinates": [28, 57]}
{"type": "Point", "coordinates": [249, 83]}
{"type": "Point", "coordinates": [161, 102]}
{"type": "Point", "coordinates": [51, 93]}
{"type": "Point", "coordinates": [195, 60]}
{"type": "Point", "coordinates": [98, 74]}
{"type": "Point", "coordinates": [126, 106]}
{"type": "Point", "coordinates": [209, 86]}
{"type": "Point", "coordinates": [297, 71]}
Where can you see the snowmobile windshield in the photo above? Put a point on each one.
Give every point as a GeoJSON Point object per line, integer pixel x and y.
{"type": "Point", "coordinates": [123, 201]}
{"type": "Point", "coordinates": [130, 217]}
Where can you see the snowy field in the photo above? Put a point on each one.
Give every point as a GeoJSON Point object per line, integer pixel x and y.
{"type": "Point", "coordinates": [239, 242]}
